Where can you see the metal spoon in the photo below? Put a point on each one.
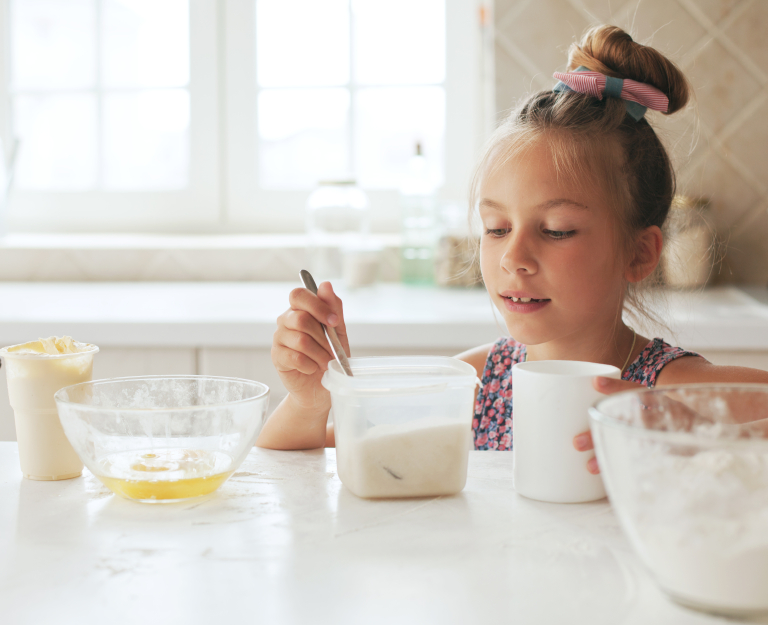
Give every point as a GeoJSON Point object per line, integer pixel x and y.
{"type": "Point", "coordinates": [330, 333]}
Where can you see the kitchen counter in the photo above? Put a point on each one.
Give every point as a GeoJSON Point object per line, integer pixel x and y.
{"type": "Point", "coordinates": [209, 314]}
{"type": "Point", "coordinates": [283, 542]}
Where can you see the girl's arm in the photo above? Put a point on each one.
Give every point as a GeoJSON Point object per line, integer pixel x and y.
{"type": "Point", "coordinates": [300, 353]}
{"type": "Point", "coordinates": [687, 370]}
{"type": "Point", "coordinates": [476, 357]}
{"type": "Point", "coordinates": [697, 370]}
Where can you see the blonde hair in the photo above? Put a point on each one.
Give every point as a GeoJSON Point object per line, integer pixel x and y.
{"type": "Point", "coordinates": [595, 141]}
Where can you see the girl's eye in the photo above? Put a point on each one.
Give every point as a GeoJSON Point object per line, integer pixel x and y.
{"type": "Point", "coordinates": [560, 234]}
{"type": "Point", "coordinates": [496, 232]}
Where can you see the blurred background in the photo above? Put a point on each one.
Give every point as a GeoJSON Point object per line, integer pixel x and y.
{"type": "Point", "coordinates": [195, 118]}
{"type": "Point", "coordinates": [200, 117]}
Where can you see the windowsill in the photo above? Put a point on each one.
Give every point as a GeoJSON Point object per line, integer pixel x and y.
{"type": "Point", "coordinates": [111, 241]}
{"type": "Point", "coordinates": [37, 257]}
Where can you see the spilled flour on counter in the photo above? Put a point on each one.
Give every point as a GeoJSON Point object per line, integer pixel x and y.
{"type": "Point", "coordinates": [708, 544]}
{"type": "Point", "coordinates": [427, 457]}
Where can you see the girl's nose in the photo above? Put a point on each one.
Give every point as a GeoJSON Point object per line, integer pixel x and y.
{"type": "Point", "coordinates": [518, 256]}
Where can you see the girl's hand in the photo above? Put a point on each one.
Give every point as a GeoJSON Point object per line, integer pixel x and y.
{"type": "Point", "coordinates": [300, 351]}
{"type": "Point", "coordinates": [583, 441]}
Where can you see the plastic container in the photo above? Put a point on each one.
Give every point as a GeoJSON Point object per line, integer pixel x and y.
{"type": "Point", "coordinates": [403, 425]}
{"type": "Point", "coordinates": [33, 379]}
{"type": "Point", "coordinates": [686, 469]}
{"type": "Point", "coordinates": [158, 439]}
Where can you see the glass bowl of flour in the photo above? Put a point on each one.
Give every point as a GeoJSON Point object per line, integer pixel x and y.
{"type": "Point", "coordinates": [686, 469]}
{"type": "Point", "coordinates": [403, 425]}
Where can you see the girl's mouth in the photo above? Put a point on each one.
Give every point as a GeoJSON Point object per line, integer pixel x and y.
{"type": "Point", "coordinates": [525, 300]}
{"type": "Point", "coordinates": [525, 304]}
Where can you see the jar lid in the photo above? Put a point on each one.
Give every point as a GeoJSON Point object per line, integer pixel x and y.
{"type": "Point", "coordinates": [399, 375]}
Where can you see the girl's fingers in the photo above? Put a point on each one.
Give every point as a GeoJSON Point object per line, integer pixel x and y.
{"type": "Point", "coordinates": [305, 344]}
{"type": "Point", "coordinates": [592, 466]}
{"type": "Point", "coordinates": [611, 385]}
{"type": "Point", "coordinates": [325, 292]}
{"type": "Point", "coordinates": [303, 322]}
{"type": "Point", "coordinates": [583, 441]}
{"type": "Point", "coordinates": [301, 299]}
{"type": "Point", "coordinates": [286, 360]}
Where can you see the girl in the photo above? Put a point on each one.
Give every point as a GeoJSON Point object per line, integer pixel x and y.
{"type": "Point", "coordinates": [573, 191]}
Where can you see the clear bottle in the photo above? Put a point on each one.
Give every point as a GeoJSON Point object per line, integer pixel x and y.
{"type": "Point", "coordinates": [417, 196]}
{"type": "Point", "coordinates": [337, 217]}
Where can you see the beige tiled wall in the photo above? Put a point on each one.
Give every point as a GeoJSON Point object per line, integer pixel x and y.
{"type": "Point", "coordinates": [720, 143]}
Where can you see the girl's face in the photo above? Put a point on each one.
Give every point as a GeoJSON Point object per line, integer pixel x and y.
{"type": "Point", "coordinates": [548, 252]}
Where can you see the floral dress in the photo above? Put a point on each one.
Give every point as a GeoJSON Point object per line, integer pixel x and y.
{"type": "Point", "coordinates": [492, 423]}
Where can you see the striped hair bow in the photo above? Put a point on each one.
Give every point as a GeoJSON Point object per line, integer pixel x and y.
{"type": "Point", "coordinates": [638, 96]}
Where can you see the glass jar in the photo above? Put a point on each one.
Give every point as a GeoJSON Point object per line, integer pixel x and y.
{"type": "Point", "coordinates": [687, 259]}
{"type": "Point", "coordinates": [337, 217]}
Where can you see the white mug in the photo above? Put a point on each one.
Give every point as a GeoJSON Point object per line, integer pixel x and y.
{"type": "Point", "coordinates": [550, 403]}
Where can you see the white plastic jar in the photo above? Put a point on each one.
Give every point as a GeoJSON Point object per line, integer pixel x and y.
{"type": "Point", "coordinates": [337, 218]}
{"type": "Point", "coordinates": [403, 425]}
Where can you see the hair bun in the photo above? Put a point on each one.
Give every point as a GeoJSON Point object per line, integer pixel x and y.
{"type": "Point", "coordinates": [611, 51]}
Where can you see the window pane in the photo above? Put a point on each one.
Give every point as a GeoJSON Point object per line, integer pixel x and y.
{"type": "Point", "coordinates": [145, 43]}
{"type": "Point", "coordinates": [146, 140]}
{"type": "Point", "coordinates": [302, 136]}
{"type": "Point", "coordinates": [399, 41]}
{"type": "Point", "coordinates": [302, 43]}
{"type": "Point", "coordinates": [53, 44]}
{"type": "Point", "coordinates": [389, 121]}
{"type": "Point", "coordinates": [58, 148]}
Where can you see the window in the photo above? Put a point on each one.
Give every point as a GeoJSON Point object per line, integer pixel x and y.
{"type": "Point", "coordinates": [100, 93]}
{"type": "Point", "coordinates": [115, 106]}
{"type": "Point", "coordinates": [371, 88]}
{"type": "Point", "coordinates": [223, 114]}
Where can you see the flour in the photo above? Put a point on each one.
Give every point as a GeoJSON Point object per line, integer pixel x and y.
{"type": "Point", "coordinates": [705, 532]}
{"type": "Point", "coordinates": [427, 457]}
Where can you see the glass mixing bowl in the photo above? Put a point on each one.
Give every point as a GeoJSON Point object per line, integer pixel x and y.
{"type": "Point", "coordinates": [686, 469]}
{"type": "Point", "coordinates": [157, 439]}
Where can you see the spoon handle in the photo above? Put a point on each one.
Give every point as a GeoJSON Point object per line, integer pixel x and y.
{"type": "Point", "coordinates": [330, 333]}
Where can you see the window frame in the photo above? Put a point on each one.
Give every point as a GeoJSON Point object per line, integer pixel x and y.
{"type": "Point", "coordinates": [194, 207]}
{"type": "Point", "coordinates": [267, 210]}
{"type": "Point", "coordinates": [223, 195]}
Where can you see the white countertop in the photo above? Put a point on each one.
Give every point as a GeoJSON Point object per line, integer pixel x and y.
{"type": "Point", "coordinates": [211, 314]}
{"type": "Point", "coordinates": [283, 542]}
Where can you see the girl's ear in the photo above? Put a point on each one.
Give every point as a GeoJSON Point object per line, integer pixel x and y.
{"type": "Point", "coordinates": [647, 254]}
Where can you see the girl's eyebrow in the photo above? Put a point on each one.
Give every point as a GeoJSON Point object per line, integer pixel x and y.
{"type": "Point", "coordinates": [544, 205]}
{"type": "Point", "coordinates": [493, 205]}
{"type": "Point", "coordinates": [562, 202]}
